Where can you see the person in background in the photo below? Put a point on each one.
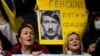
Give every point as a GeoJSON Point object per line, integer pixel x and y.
{"type": "Point", "coordinates": [73, 45]}
{"type": "Point", "coordinates": [7, 36]}
{"type": "Point", "coordinates": [92, 42]}
{"type": "Point", "coordinates": [26, 42]}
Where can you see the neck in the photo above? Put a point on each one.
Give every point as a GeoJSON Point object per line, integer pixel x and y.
{"type": "Point", "coordinates": [73, 52]}
{"type": "Point", "coordinates": [26, 49]}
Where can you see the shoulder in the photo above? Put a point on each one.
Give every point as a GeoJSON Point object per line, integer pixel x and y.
{"type": "Point", "coordinates": [13, 50]}
{"type": "Point", "coordinates": [37, 47]}
{"type": "Point", "coordinates": [86, 54]}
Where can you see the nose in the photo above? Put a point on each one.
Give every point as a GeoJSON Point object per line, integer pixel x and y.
{"type": "Point", "coordinates": [74, 41]}
{"type": "Point", "coordinates": [29, 35]}
{"type": "Point", "coordinates": [50, 25]}
{"type": "Point", "coordinates": [50, 29]}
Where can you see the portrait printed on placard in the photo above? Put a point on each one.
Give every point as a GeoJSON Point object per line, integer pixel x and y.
{"type": "Point", "coordinates": [50, 25]}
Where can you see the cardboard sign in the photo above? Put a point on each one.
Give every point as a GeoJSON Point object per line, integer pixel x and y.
{"type": "Point", "coordinates": [61, 17]}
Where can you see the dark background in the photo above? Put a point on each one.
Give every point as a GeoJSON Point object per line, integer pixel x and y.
{"type": "Point", "coordinates": [93, 5]}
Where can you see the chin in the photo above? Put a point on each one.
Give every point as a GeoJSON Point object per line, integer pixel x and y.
{"type": "Point", "coordinates": [28, 44]}
{"type": "Point", "coordinates": [75, 48]}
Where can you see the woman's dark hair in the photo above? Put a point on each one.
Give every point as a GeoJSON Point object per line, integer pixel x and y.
{"type": "Point", "coordinates": [25, 24]}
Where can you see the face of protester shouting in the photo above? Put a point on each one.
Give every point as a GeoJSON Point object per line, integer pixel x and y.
{"type": "Point", "coordinates": [26, 36]}
{"type": "Point", "coordinates": [73, 43]}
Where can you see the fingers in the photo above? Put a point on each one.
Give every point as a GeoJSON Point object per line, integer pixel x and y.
{"type": "Point", "coordinates": [36, 53]}
{"type": "Point", "coordinates": [91, 48]}
{"type": "Point", "coordinates": [1, 51]}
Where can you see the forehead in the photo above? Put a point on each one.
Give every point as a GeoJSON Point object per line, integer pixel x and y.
{"type": "Point", "coordinates": [27, 29]}
{"type": "Point", "coordinates": [73, 36]}
{"type": "Point", "coordinates": [45, 17]}
{"type": "Point", "coordinates": [98, 17]}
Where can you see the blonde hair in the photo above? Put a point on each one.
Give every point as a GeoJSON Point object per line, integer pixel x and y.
{"type": "Point", "coordinates": [65, 45]}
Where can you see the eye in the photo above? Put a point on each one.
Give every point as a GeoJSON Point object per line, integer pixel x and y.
{"type": "Point", "coordinates": [97, 18]}
{"type": "Point", "coordinates": [54, 22]}
{"type": "Point", "coordinates": [31, 33]}
{"type": "Point", "coordinates": [25, 33]}
{"type": "Point", "coordinates": [77, 39]}
{"type": "Point", "coordinates": [71, 39]}
{"type": "Point", "coordinates": [46, 21]}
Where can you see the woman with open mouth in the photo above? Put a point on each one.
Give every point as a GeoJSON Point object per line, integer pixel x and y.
{"type": "Point", "coordinates": [73, 45]}
{"type": "Point", "coordinates": [26, 42]}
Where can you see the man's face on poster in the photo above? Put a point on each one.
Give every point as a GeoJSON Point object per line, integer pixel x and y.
{"type": "Point", "coordinates": [50, 26]}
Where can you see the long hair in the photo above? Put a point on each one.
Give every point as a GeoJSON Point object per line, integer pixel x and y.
{"type": "Point", "coordinates": [65, 45]}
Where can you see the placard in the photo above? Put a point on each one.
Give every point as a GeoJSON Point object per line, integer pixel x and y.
{"type": "Point", "coordinates": [58, 18]}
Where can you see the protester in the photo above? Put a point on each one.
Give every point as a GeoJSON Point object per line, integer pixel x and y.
{"type": "Point", "coordinates": [92, 42]}
{"type": "Point", "coordinates": [26, 42]}
{"type": "Point", "coordinates": [73, 45]}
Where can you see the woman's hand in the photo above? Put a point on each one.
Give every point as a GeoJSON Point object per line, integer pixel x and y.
{"type": "Point", "coordinates": [36, 53]}
{"type": "Point", "coordinates": [91, 48]}
{"type": "Point", "coordinates": [1, 51]}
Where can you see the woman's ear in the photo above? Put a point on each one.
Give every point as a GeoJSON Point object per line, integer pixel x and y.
{"type": "Point", "coordinates": [19, 40]}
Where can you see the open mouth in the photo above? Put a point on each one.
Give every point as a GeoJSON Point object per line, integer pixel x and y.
{"type": "Point", "coordinates": [29, 40]}
{"type": "Point", "coordinates": [74, 44]}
